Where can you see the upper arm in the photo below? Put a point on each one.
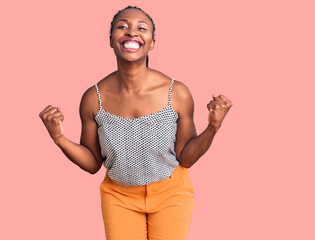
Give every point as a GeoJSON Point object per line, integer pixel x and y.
{"type": "Point", "coordinates": [184, 105]}
{"type": "Point", "coordinates": [89, 135]}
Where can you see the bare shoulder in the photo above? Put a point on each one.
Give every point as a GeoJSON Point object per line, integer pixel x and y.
{"type": "Point", "coordinates": [161, 77]}
{"type": "Point", "coordinates": [182, 100]}
{"type": "Point", "coordinates": [107, 81]}
{"type": "Point", "coordinates": [180, 90]}
{"type": "Point", "coordinates": [89, 105]}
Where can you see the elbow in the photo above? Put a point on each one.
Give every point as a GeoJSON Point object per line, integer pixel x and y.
{"type": "Point", "coordinates": [95, 170]}
{"type": "Point", "coordinates": [188, 162]}
{"type": "Point", "coordinates": [185, 165]}
{"type": "Point", "coordinates": [184, 160]}
{"type": "Point", "coordinates": [92, 172]}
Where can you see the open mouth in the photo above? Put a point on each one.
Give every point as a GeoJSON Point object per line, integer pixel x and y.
{"type": "Point", "coordinates": [131, 46]}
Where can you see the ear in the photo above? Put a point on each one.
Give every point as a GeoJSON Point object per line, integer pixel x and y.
{"type": "Point", "coordinates": [152, 44]}
{"type": "Point", "coordinates": [110, 41]}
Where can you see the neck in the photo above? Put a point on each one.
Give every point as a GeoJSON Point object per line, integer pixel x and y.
{"type": "Point", "coordinates": [132, 76]}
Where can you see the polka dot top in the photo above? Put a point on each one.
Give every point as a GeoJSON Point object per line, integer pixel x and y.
{"type": "Point", "coordinates": [141, 150]}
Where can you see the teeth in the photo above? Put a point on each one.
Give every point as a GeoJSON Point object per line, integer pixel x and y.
{"type": "Point", "coordinates": [131, 44]}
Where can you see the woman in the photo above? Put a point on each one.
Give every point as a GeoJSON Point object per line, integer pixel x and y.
{"type": "Point", "coordinates": [138, 122]}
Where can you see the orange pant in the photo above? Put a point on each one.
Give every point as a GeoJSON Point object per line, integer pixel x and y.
{"type": "Point", "coordinates": [157, 211]}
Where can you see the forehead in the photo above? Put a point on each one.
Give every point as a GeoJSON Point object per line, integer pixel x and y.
{"type": "Point", "coordinates": [133, 14]}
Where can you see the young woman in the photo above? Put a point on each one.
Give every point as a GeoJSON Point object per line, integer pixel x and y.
{"type": "Point", "coordinates": [138, 122]}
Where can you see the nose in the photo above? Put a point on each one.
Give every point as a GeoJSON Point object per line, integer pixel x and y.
{"type": "Point", "coordinates": [131, 32]}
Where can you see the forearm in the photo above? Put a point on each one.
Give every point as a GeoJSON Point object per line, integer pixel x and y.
{"type": "Point", "coordinates": [78, 154]}
{"type": "Point", "coordinates": [197, 146]}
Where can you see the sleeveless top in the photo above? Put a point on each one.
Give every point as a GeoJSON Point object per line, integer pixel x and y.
{"type": "Point", "coordinates": [138, 151]}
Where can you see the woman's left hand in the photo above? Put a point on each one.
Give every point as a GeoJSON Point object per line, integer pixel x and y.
{"type": "Point", "coordinates": [218, 108]}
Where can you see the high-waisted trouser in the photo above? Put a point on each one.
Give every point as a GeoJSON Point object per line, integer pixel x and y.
{"type": "Point", "coordinates": [157, 211]}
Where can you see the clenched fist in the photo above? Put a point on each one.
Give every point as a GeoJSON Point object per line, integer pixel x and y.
{"type": "Point", "coordinates": [218, 108]}
{"type": "Point", "coordinates": [52, 118]}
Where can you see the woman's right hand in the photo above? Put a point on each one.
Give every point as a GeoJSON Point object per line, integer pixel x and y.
{"type": "Point", "coordinates": [52, 118]}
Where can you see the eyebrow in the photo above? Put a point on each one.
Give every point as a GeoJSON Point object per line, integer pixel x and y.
{"type": "Point", "coordinates": [127, 21]}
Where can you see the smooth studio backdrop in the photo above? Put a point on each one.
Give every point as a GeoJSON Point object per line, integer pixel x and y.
{"type": "Point", "coordinates": [257, 180]}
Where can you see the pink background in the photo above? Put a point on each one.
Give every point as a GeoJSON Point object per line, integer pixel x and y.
{"type": "Point", "coordinates": [257, 179]}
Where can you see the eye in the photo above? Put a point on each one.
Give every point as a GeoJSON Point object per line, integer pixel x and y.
{"type": "Point", "coordinates": [142, 28]}
{"type": "Point", "coordinates": [121, 27]}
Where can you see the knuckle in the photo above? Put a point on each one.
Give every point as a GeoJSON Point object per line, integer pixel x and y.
{"type": "Point", "coordinates": [49, 118]}
{"type": "Point", "coordinates": [44, 116]}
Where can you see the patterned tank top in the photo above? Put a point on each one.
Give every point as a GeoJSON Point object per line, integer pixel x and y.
{"type": "Point", "coordinates": [138, 151]}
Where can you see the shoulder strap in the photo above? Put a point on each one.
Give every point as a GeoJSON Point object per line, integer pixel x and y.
{"type": "Point", "coordinates": [170, 92]}
{"type": "Point", "coordinates": [98, 95]}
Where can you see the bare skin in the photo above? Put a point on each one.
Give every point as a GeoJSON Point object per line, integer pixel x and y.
{"type": "Point", "coordinates": [134, 91]}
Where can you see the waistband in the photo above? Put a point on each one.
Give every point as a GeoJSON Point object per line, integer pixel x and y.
{"type": "Point", "coordinates": [176, 174]}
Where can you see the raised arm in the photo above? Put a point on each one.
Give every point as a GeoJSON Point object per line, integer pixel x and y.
{"type": "Point", "coordinates": [189, 147]}
{"type": "Point", "coordinates": [87, 154]}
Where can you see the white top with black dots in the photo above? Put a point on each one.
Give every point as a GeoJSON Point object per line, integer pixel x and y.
{"type": "Point", "coordinates": [141, 150]}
